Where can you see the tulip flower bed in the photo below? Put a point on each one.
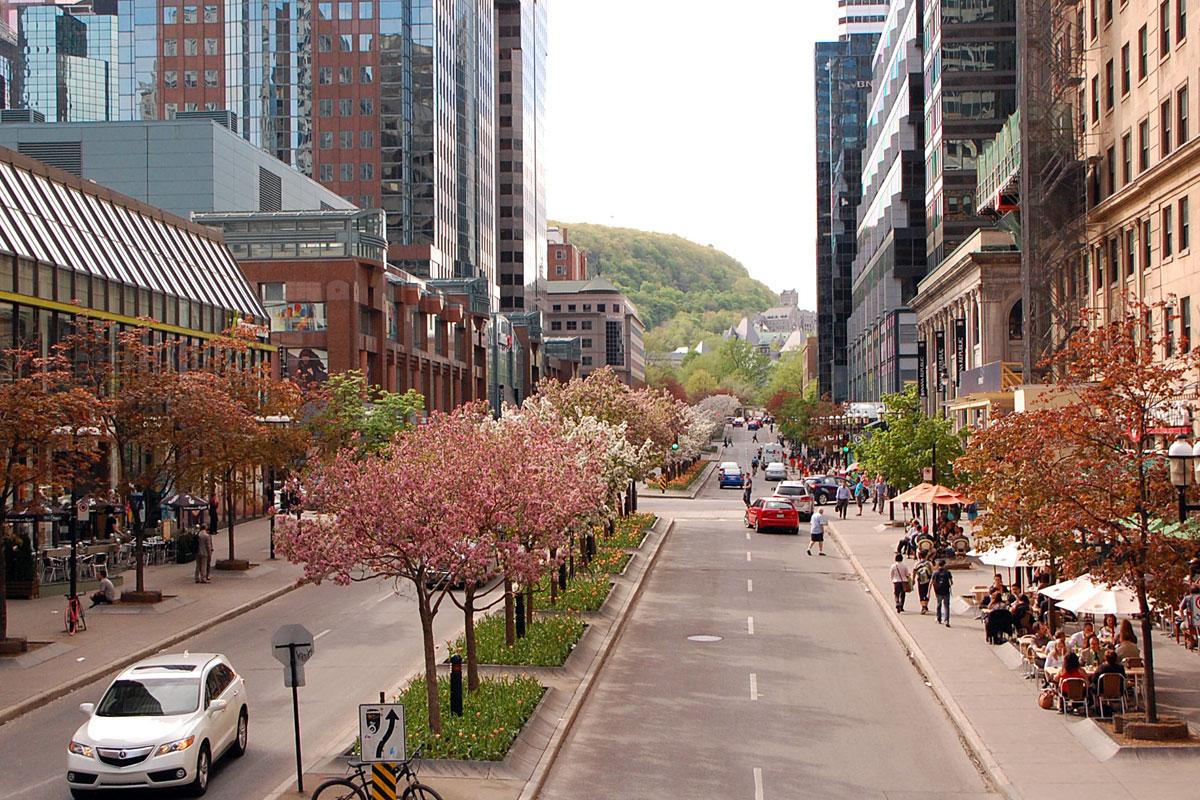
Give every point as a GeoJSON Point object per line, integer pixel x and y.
{"type": "Point", "coordinates": [611, 560]}
{"type": "Point", "coordinates": [685, 479]}
{"type": "Point", "coordinates": [492, 717]}
{"type": "Point", "coordinates": [628, 531]}
{"type": "Point", "coordinates": [584, 592]}
{"type": "Point", "coordinates": [546, 643]}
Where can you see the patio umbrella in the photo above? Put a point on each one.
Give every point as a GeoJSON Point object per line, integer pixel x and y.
{"type": "Point", "coordinates": [186, 502]}
{"type": "Point", "coordinates": [1007, 555]}
{"type": "Point", "coordinates": [1119, 600]}
{"type": "Point", "coordinates": [1058, 590]}
{"type": "Point", "coordinates": [932, 493]}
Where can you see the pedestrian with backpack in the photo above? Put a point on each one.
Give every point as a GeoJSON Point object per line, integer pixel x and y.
{"type": "Point", "coordinates": [923, 575]}
{"type": "Point", "coordinates": [943, 582]}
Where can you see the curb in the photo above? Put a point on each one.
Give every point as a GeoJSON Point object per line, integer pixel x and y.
{"type": "Point", "coordinates": [653, 493]}
{"type": "Point", "coordinates": [29, 704]}
{"type": "Point", "coordinates": [537, 780]}
{"type": "Point", "coordinates": [971, 740]}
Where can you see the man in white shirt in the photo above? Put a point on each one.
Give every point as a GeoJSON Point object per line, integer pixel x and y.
{"type": "Point", "coordinates": [1080, 639]}
{"type": "Point", "coordinates": [817, 532]}
{"type": "Point", "coordinates": [900, 577]}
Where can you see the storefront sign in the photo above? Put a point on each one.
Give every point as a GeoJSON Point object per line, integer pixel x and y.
{"type": "Point", "coordinates": [960, 349]}
{"type": "Point", "coordinates": [922, 369]}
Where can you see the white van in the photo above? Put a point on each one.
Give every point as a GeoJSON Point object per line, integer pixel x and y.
{"type": "Point", "coordinates": [773, 452]}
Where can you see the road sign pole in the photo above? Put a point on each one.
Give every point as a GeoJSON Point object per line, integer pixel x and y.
{"type": "Point", "coordinates": [296, 719]}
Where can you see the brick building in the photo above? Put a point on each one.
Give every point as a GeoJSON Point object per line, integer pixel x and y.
{"type": "Point", "coordinates": [564, 261]}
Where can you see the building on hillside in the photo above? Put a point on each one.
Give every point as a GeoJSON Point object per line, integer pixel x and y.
{"type": "Point", "coordinates": [521, 36]}
{"type": "Point", "coordinates": [389, 104]}
{"type": "Point", "coordinates": [66, 62]}
{"type": "Point", "coordinates": [890, 254]}
{"type": "Point", "coordinates": [843, 83]}
{"type": "Point", "coordinates": [1144, 159]}
{"type": "Point", "coordinates": [335, 304]}
{"type": "Point", "coordinates": [970, 334]}
{"type": "Point", "coordinates": [565, 261]}
{"type": "Point", "coordinates": [180, 166]}
{"type": "Point", "coordinates": [608, 326]}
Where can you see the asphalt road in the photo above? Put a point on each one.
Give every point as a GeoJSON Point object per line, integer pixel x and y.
{"type": "Point", "coordinates": [806, 695]}
{"type": "Point", "coordinates": [367, 640]}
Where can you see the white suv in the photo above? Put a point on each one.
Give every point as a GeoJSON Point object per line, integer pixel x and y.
{"type": "Point", "coordinates": [162, 722]}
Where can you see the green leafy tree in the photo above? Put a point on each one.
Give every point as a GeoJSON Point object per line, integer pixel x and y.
{"type": "Point", "coordinates": [700, 384]}
{"type": "Point", "coordinates": [788, 374]}
{"type": "Point", "coordinates": [352, 414]}
{"type": "Point", "coordinates": [907, 443]}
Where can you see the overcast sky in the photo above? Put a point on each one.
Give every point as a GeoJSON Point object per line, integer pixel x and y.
{"type": "Point", "coordinates": [692, 117]}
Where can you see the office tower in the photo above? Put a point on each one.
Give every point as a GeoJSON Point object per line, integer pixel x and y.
{"type": "Point", "coordinates": [890, 228]}
{"type": "Point", "coordinates": [843, 82]}
{"type": "Point", "coordinates": [520, 122]}
{"type": "Point", "coordinates": [67, 64]}
{"type": "Point", "coordinates": [970, 91]}
{"type": "Point", "coordinates": [390, 103]}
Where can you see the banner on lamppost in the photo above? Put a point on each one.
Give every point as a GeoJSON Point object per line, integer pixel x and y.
{"type": "Point", "coordinates": [922, 369]}
{"type": "Point", "coordinates": [939, 354]}
{"type": "Point", "coordinates": [960, 349]}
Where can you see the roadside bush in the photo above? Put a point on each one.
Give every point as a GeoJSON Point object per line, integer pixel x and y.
{"type": "Point", "coordinates": [492, 717]}
{"type": "Point", "coordinates": [547, 642]}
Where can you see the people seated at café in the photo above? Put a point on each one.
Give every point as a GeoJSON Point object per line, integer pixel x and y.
{"type": "Point", "coordinates": [1057, 655]}
{"type": "Point", "coordinates": [1041, 635]}
{"type": "Point", "coordinates": [1023, 617]}
{"type": "Point", "coordinates": [1080, 639]}
{"type": "Point", "coordinates": [1071, 669]}
{"type": "Point", "coordinates": [1127, 646]}
{"type": "Point", "coordinates": [1108, 629]}
{"type": "Point", "coordinates": [998, 625]}
{"type": "Point", "coordinates": [1093, 654]}
{"type": "Point", "coordinates": [1110, 663]}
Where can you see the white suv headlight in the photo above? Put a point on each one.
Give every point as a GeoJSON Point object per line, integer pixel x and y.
{"type": "Point", "coordinates": [80, 749]}
{"type": "Point", "coordinates": [176, 747]}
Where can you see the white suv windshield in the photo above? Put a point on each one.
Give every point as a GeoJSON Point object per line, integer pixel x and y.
{"type": "Point", "coordinates": [789, 490]}
{"type": "Point", "coordinates": [151, 698]}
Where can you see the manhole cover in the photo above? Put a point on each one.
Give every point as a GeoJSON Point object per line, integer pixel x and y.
{"type": "Point", "coordinates": [704, 637]}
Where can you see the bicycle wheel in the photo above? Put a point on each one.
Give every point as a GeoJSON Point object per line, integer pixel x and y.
{"type": "Point", "coordinates": [339, 789]}
{"type": "Point", "coordinates": [419, 791]}
{"type": "Point", "coordinates": [72, 618]}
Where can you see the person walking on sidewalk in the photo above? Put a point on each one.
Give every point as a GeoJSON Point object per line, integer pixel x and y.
{"type": "Point", "coordinates": [923, 574]}
{"type": "Point", "coordinates": [747, 487]}
{"type": "Point", "coordinates": [817, 532]}
{"type": "Point", "coordinates": [880, 494]}
{"type": "Point", "coordinates": [860, 495]}
{"type": "Point", "coordinates": [843, 500]}
{"type": "Point", "coordinates": [901, 579]}
{"type": "Point", "coordinates": [204, 549]}
{"type": "Point", "coordinates": [943, 582]}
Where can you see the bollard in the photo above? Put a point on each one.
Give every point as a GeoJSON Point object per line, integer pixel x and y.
{"type": "Point", "coordinates": [562, 577]}
{"type": "Point", "coordinates": [456, 685]}
{"type": "Point", "coordinates": [520, 614]}
{"type": "Point", "coordinates": [571, 563]}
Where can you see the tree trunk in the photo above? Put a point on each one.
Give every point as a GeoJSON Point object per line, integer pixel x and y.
{"type": "Point", "coordinates": [431, 678]}
{"type": "Point", "coordinates": [229, 511]}
{"type": "Point", "coordinates": [469, 639]}
{"type": "Point", "coordinates": [553, 577]}
{"type": "Point", "coordinates": [510, 619]}
{"type": "Point", "coordinates": [1147, 649]}
{"type": "Point", "coordinates": [3, 581]}
{"type": "Point", "coordinates": [139, 556]}
{"type": "Point", "coordinates": [528, 606]}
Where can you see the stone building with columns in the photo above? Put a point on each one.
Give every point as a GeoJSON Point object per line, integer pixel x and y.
{"type": "Point", "coordinates": [970, 338]}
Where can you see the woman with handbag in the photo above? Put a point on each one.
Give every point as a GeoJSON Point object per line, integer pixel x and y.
{"type": "Point", "coordinates": [901, 581]}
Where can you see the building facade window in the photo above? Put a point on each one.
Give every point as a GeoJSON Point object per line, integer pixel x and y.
{"type": "Point", "coordinates": [1126, 159]}
{"type": "Point", "coordinates": [1164, 128]}
{"type": "Point", "coordinates": [1095, 99]}
{"type": "Point", "coordinates": [1168, 232]}
{"type": "Point", "coordinates": [1185, 323]}
{"type": "Point", "coordinates": [1185, 234]}
{"type": "Point", "coordinates": [1110, 89]}
{"type": "Point", "coordinates": [1181, 113]}
{"type": "Point", "coordinates": [1125, 69]}
{"type": "Point", "coordinates": [1147, 253]}
{"type": "Point", "coordinates": [1143, 52]}
{"type": "Point", "coordinates": [1143, 145]}
{"type": "Point", "coordinates": [1164, 29]}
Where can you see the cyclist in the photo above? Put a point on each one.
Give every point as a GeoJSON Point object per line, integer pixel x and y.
{"type": "Point", "coordinates": [754, 466]}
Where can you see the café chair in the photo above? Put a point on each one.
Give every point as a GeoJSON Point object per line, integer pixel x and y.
{"type": "Point", "coordinates": [1110, 690]}
{"type": "Point", "coordinates": [1073, 694]}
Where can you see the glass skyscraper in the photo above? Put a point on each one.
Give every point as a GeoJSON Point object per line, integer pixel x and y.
{"type": "Point", "coordinates": [387, 102]}
{"type": "Point", "coordinates": [67, 64]}
{"type": "Point", "coordinates": [843, 85]}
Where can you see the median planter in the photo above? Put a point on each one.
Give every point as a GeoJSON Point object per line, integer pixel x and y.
{"type": "Point", "coordinates": [232, 564]}
{"type": "Point", "coordinates": [22, 590]}
{"type": "Point", "coordinates": [149, 596]}
{"type": "Point", "coordinates": [14, 646]}
{"type": "Point", "coordinates": [1167, 729]}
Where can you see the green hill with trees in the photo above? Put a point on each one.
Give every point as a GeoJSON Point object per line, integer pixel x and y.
{"type": "Point", "coordinates": [684, 291]}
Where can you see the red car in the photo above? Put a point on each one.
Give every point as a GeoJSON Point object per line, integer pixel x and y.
{"type": "Point", "coordinates": [773, 512]}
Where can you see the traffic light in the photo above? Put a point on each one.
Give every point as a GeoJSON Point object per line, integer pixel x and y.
{"type": "Point", "coordinates": [845, 449]}
{"type": "Point", "coordinates": [675, 444]}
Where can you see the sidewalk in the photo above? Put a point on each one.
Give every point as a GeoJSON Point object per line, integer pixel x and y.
{"type": "Point", "coordinates": [1029, 752]}
{"type": "Point", "coordinates": [118, 635]}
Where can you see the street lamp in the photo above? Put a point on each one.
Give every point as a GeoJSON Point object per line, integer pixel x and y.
{"type": "Point", "coordinates": [1185, 471]}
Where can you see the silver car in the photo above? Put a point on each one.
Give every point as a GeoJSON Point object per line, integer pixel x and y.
{"type": "Point", "coordinates": [798, 493]}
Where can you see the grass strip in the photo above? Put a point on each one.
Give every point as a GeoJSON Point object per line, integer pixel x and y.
{"type": "Point", "coordinates": [547, 642]}
{"type": "Point", "coordinates": [492, 717]}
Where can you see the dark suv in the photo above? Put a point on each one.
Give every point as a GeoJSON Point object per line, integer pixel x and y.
{"type": "Point", "coordinates": [823, 488]}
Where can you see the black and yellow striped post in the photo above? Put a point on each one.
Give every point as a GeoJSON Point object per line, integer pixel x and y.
{"type": "Point", "coordinates": [383, 781]}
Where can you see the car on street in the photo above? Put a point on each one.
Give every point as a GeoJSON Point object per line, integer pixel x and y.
{"type": "Point", "coordinates": [798, 493]}
{"type": "Point", "coordinates": [775, 471]}
{"type": "Point", "coordinates": [731, 477]}
{"type": "Point", "coordinates": [773, 512]}
{"type": "Point", "coordinates": [162, 722]}
{"type": "Point", "coordinates": [724, 465]}
{"type": "Point", "coordinates": [824, 487]}
{"type": "Point", "coordinates": [739, 422]}
{"type": "Point", "coordinates": [753, 425]}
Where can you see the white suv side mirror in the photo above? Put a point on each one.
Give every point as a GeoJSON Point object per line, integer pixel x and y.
{"type": "Point", "coordinates": [218, 705]}
{"type": "Point", "coordinates": [87, 708]}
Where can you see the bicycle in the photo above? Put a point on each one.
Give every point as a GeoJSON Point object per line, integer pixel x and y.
{"type": "Point", "coordinates": [345, 788]}
{"type": "Point", "coordinates": [75, 619]}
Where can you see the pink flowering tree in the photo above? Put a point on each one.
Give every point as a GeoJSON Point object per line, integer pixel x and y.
{"type": "Point", "coordinates": [411, 512]}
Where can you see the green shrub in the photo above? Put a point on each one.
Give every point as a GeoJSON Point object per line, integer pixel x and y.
{"type": "Point", "coordinates": [584, 592]}
{"type": "Point", "coordinates": [546, 643]}
{"type": "Point", "coordinates": [492, 717]}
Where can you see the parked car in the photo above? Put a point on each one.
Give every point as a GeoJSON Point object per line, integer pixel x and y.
{"type": "Point", "coordinates": [798, 493]}
{"type": "Point", "coordinates": [775, 471]}
{"type": "Point", "coordinates": [773, 512]}
{"type": "Point", "coordinates": [731, 478]}
{"type": "Point", "coordinates": [724, 465]}
{"type": "Point", "coordinates": [753, 425]}
{"type": "Point", "coordinates": [162, 722]}
{"type": "Point", "coordinates": [823, 487]}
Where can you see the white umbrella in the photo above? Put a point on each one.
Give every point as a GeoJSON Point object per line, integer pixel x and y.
{"type": "Point", "coordinates": [1061, 590]}
{"type": "Point", "coordinates": [1007, 555]}
{"type": "Point", "coordinates": [1119, 600]}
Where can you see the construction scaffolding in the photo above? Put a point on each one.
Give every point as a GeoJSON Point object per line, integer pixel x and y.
{"type": "Point", "coordinates": [1053, 175]}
